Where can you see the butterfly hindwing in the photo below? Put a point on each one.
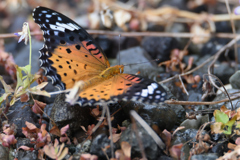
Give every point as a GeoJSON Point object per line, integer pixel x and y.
{"type": "Point", "coordinates": [123, 87]}
{"type": "Point", "coordinates": [69, 51]}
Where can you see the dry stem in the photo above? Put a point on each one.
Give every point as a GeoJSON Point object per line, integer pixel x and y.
{"type": "Point", "coordinates": [141, 34]}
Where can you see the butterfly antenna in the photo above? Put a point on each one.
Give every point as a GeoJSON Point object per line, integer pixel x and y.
{"type": "Point", "coordinates": [141, 62]}
{"type": "Point", "coordinates": [119, 48]}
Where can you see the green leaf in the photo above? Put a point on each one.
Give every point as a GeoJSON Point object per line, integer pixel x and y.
{"type": "Point", "coordinates": [4, 97]}
{"type": "Point", "coordinates": [19, 77]}
{"type": "Point", "coordinates": [220, 116]}
{"type": "Point", "coordinates": [26, 69]}
{"type": "Point", "coordinates": [7, 88]}
{"type": "Point", "coordinates": [232, 121]}
{"type": "Point", "coordinates": [238, 125]}
{"type": "Point", "coordinates": [229, 125]}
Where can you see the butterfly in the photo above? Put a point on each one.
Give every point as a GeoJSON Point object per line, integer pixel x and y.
{"type": "Point", "coordinates": [70, 54]}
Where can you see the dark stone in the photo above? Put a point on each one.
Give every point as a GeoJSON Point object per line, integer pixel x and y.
{"type": "Point", "coordinates": [99, 143]}
{"type": "Point", "coordinates": [235, 80]}
{"type": "Point", "coordinates": [20, 116]}
{"type": "Point", "coordinates": [165, 158]}
{"type": "Point", "coordinates": [220, 148]}
{"type": "Point", "coordinates": [224, 72]}
{"type": "Point", "coordinates": [63, 114]}
{"type": "Point", "coordinates": [162, 116]}
{"type": "Point", "coordinates": [24, 142]}
{"type": "Point", "coordinates": [27, 155]}
{"type": "Point", "coordinates": [142, 56]}
{"type": "Point", "coordinates": [216, 137]}
{"type": "Point", "coordinates": [207, 156]}
{"type": "Point", "coordinates": [3, 153]}
{"type": "Point", "coordinates": [151, 149]}
{"type": "Point", "coordinates": [226, 104]}
{"type": "Point", "coordinates": [106, 44]}
{"type": "Point", "coordinates": [159, 47]}
{"type": "Point", "coordinates": [213, 46]}
{"type": "Point", "coordinates": [118, 114]}
{"type": "Point", "coordinates": [180, 4]}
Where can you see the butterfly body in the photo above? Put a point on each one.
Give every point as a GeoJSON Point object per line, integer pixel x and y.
{"type": "Point", "coordinates": [104, 76]}
{"type": "Point", "coordinates": [70, 54]}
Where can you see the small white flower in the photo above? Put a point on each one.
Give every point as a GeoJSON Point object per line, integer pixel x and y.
{"type": "Point", "coordinates": [23, 34]}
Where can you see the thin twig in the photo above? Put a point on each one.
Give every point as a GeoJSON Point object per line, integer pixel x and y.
{"type": "Point", "coordinates": [216, 56]}
{"type": "Point", "coordinates": [224, 89]}
{"type": "Point", "coordinates": [100, 120]}
{"type": "Point", "coordinates": [134, 127]}
{"type": "Point", "coordinates": [234, 32]}
{"type": "Point", "coordinates": [200, 103]}
{"type": "Point", "coordinates": [189, 72]}
{"type": "Point", "coordinates": [141, 34]}
{"type": "Point", "coordinates": [155, 137]}
{"type": "Point", "coordinates": [110, 129]}
{"type": "Point", "coordinates": [179, 77]}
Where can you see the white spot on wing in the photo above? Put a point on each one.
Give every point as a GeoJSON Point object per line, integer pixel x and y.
{"type": "Point", "coordinates": [74, 26]}
{"type": "Point", "coordinates": [144, 93]}
{"type": "Point", "coordinates": [59, 18]}
{"type": "Point", "coordinates": [48, 15]}
{"type": "Point", "coordinates": [158, 92]}
{"type": "Point", "coordinates": [154, 85]}
{"type": "Point", "coordinates": [65, 26]}
{"type": "Point", "coordinates": [157, 96]}
{"type": "Point", "coordinates": [150, 89]}
{"type": "Point", "coordinates": [56, 33]}
{"type": "Point", "coordinates": [137, 93]}
{"type": "Point", "coordinates": [54, 27]}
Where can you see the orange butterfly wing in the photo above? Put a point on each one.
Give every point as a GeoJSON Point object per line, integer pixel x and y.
{"type": "Point", "coordinates": [123, 87]}
{"type": "Point", "coordinates": [70, 53]}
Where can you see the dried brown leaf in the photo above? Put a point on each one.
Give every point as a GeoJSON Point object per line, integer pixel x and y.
{"type": "Point", "coordinates": [55, 130]}
{"type": "Point", "coordinates": [126, 148]}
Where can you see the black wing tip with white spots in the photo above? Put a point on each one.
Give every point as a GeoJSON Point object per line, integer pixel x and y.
{"type": "Point", "coordinates": [147, 92]}
{"type": "Point", "coordinates": [46, 50]}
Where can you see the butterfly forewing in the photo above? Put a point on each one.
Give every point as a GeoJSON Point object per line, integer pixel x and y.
{"type": "Point", "coordinates": [69, 51]}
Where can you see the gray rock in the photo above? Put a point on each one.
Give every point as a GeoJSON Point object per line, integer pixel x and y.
{"type": "Point", "coordinates": [135, 55]}
{"type": "Point", "coordinates": [100, 142]}
{"type": "Point", "coordinates": [19, 116]}
{"type": "Point", "coordinates": [162, 116]}
{"type": "Point", "coordinates": [3, 153]}
{"type": "Point", "coordinates": [235, 80]}
{"type": "Point", "coordinates": [227, 104]}
{"type": "Point", "coordinates": [27, 155]}
{"type": "Point", "coordinates": [195, 123]}
{"type": "Point", "coordinates": [151, 149]}
{"type": "Point", "coordinates": [208, 156]}
{"type": "Point", "coordinates": [24, 142]}
{"type": "Point", "coordinates": [83, 147]}
{"type": "Point", "coordinates": [63, 113]}
{"type": "Point", "coordinates": [159, 47]}
{"type": "Point", "coordinates": [220, 148]}
{"type": "Point", "coordinates": [224, 72]}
